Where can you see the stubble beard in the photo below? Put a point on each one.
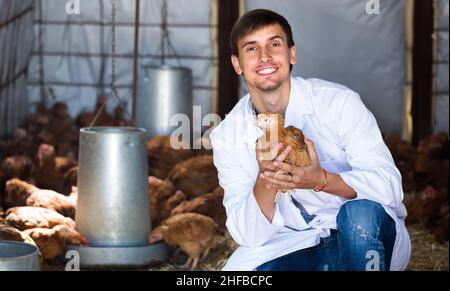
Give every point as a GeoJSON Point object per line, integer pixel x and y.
{"type": "Point", "coordinates": [268, 87]}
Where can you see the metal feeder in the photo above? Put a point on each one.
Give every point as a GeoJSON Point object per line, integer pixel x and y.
{"type": "Point", "coordinates": [164, 91]}
{"type": "Point", "coordinates": [113, 203]}
{"type": "Point", "coordinates": [18, 256]}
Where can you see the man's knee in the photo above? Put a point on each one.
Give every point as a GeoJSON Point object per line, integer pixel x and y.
{"type": "Point", "coordinates": [362, 216]}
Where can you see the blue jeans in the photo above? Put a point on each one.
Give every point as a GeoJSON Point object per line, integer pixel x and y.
{"type": "Point", "coordinates": [364, 240]}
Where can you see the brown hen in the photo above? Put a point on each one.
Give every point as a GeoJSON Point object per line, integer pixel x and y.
{"type": "Point", "coordinates": [17, 192]}
{"type": "Point", "coordinates": [194, 233]}
{"type": "Point", "coordinates": [52, 241]}
{"type": "Point", "coordinates": [19, 166]}
{"type": "Point", "coordinates": [160, 192]}
{"type": "Point", "coordinates": [20, 193]}
{"type": "Point", "coordinates": [70, 180]}
{"type": "Point", "coordinates": [210, 205]}
{"type": "Point", "coordinates": [275, 132]}
{"type": "Point", "coordinates": [51, 169]}
{"type": "Point", "coordinates": [13, 234]}
{"type": "Point", "coordinates": [162, 156]}
{"type": "Point", "coordinates": [195, 176]}
{"type": "Point", "coordinates": [26, 217]}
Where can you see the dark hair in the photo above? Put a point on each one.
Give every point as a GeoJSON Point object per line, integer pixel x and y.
{"type": "Point", "coordinates": [254, 20]}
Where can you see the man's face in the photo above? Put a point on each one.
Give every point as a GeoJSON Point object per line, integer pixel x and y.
{"type": "Point", "coordinates": [265, 58]}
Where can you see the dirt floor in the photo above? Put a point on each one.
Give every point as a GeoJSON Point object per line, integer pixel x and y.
{"type": "Point", "coordinates": [427, 255]}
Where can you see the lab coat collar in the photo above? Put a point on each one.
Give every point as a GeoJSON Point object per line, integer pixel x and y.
{"type": "Point", "coordinates": [299, 102]}
{"type": "Point", "coordinates": [299, 105]}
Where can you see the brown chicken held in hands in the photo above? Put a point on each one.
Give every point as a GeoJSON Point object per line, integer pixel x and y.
{"type": "Point", "coordinates": [275, 132]}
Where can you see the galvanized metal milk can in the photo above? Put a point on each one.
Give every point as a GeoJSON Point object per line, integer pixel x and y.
{"type": "Point", "coordinates": [113, 202]}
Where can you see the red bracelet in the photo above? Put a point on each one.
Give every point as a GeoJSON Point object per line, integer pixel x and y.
{"type": "Point", "coordinates": [324, 185]}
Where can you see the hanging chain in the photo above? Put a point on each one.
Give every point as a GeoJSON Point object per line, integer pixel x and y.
{"type": "Point", "coordinates": [165, 47]}
{"type": "Point", "coordinates": [113, 43]}
{"type": "Point", "coordinates": [113, 68]}
{"type": "Point", "coordinates": [164, 31]}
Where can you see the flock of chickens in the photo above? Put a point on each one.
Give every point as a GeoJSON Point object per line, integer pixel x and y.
{"type": "Point", "coordinates": [38, 170]}
{"type": "Point", "coordinates": [186, 207]}
{"type": "Point", "coordinates": [38, 193]}
{"type": "Point", "coordinates": [424, 170]}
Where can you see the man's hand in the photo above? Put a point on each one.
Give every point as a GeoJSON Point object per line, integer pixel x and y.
{"type": "Point", "coordinates": [263, 190]}
{"type": "Point", "coordinates": [266, 161]}
{"type": "Point", "coordinates": [301, 178]}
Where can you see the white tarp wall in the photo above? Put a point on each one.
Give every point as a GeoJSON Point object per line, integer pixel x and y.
{"type": "Point", "coordinates": [16, 35]}
{"type": "Point", "coordinates": [340, 41]}
{"type": "Point", "coordinates": [441, 63]}
{"type": "Point", "coordinates": [75, 78]}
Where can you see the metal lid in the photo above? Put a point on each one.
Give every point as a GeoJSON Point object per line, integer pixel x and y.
{"type": "Point", "coordinates": [165, 68]}
{"type": "Point", "coordinates": [111, 130]}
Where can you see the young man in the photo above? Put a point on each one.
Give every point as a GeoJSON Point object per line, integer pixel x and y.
{"type": "Point", "coordinates": [345, 211]}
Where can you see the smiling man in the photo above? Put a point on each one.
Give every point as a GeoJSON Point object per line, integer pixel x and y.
{"type": "Point", "coordinates": [345, 211]}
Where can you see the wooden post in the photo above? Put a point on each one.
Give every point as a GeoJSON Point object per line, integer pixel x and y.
{"type": "Point", "coordinates": [228, 79]}
{"type": "Point", "coordinates": [422, 69]}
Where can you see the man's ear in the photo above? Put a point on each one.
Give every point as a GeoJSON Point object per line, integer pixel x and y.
{"type": "Point", "coordinates": [236, 65]}
{"type": "Point", "coordinates": [293, 51]}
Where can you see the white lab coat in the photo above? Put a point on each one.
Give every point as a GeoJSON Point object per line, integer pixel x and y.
{"type": "Point", "coordinates": [347, 140]}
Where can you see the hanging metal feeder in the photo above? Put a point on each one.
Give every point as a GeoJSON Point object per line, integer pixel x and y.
{"type": "Point", "coordinates": [113, 202]}
{"type": "Point", "coordinates": [163, 91]}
